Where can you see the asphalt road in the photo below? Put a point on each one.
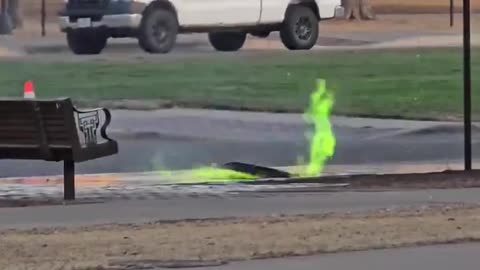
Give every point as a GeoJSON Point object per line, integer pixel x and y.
{"type": "Point", "coordinates": [445, 257]}
{"type": "Point", "coordinates": [355, 146]}
{"type": "Point", "coordinates": [240, 204]}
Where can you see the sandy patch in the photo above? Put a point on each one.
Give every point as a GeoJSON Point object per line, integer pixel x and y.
{"type": "Point", "coordinates": [10, 47]}
{"type": "Point", "coordinates": [4, 52]}
{"type": "Point", "coordinates": [235, 239]}
{"type": "Point", "coordinates": [414, 23]}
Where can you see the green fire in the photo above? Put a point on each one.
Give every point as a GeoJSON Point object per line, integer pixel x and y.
{"type": "Point", "coordinates": [322, 142]}
{"type": "Point", "coordinates": [322, 146]}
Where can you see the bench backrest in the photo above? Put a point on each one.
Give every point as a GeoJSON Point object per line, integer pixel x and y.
{"type": "Point", "coordinates": [37, 126]}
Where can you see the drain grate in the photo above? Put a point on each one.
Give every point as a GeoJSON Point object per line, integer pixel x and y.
{"type": "Point", "coordinates": [156, 264]}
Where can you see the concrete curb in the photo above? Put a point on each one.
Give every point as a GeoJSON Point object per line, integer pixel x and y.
{"type": "Point", "coordinates": [159, 135]}
{"type": "Point", "coordinates": [454, 128]}
{"type": "Point", "coordinates": [59, 48]}
{"type": "Point", "coordinates": [160, 104]}
{"type": "Point", "coordinates": [153, 134]}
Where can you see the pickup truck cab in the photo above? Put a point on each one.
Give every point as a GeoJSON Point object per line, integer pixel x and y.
{"type": "Point", "coordinates": [156, 23]}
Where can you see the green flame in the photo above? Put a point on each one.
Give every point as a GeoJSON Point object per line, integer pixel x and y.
{"type": "Point", "coordinates": [322, 143]}
{"type": "Point", "coordinates": [322, 146]}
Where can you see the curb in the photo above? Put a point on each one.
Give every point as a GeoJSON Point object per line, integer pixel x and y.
{"type": "Point", "coordinates": [161, 104]}
{"type": "Point", "coordinates": [151, 134]}
{"type": "Point", "coordinates": [453, 128]}
{"type": "Point", "coordinates": [62, 48]}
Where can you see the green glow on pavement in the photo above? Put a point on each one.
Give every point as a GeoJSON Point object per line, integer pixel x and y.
{"type": "Point", "coordinates": [206, 175]}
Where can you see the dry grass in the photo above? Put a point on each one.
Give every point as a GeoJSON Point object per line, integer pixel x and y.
{"type": "Point", "coordinates": [235, 239]}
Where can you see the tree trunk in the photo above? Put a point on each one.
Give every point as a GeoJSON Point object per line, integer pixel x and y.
{"type": "Point", "coordinates": [366, 10]}
{"type": "Point", "coordinates": [15, 11]}
{"type": "Point", "coordinates": [358, 9]}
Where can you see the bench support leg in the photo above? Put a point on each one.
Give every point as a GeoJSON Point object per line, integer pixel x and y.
{"type": "Point", "coordinates": [69, 180]}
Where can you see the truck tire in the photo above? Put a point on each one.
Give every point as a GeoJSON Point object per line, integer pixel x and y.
{"type": "Point", "coordinates": [299, 30]}
{"type": "Point", "coordinates": [86, 41]}
{"type": "Point", "coordinates": [158, 31]}
{"type": "Point", "coordinates": [227, 41]}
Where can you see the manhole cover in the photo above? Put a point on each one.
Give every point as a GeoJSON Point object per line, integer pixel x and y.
{"type": "Point", "coordinates": [156, 264]}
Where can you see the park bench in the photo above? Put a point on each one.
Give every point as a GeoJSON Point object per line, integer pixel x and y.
{"type": "Point", "coordinates": [54, 130]}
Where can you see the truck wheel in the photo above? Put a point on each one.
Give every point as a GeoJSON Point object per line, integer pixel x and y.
{"type": "Point", "coordinates": [158, 31]}
{"type": "Point", "coordinates": [299, 30]}
{"type": "Point", "coordinates": [86, 42]}
{"type": "Point", "coordinates": [227, 41]}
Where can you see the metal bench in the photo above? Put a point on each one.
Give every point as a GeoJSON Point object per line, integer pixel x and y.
{"type": "Point", "coordinates": [54, 130]}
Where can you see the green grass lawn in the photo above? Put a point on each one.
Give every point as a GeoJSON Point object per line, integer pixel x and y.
{"type": "Point", "coordinates": [411, 84]}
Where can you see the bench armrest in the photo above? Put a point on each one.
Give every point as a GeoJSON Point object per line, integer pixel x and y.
{"type": "Point", "coordinates": [108, 120]}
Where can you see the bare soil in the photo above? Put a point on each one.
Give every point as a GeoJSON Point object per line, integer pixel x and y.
{"type": "Point", "coordinates": [234, 239]}
{"type": "Point", "coordinates": [394, 23]}
{"type": "Point", "coordinates": [33, 7]}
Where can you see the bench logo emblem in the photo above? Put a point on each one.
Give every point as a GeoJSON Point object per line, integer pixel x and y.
{"type": "Point", "coordinates": [88, 125]}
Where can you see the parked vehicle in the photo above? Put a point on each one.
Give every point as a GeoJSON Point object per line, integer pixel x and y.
{"type": "Point", "coordinates": [88, 24]}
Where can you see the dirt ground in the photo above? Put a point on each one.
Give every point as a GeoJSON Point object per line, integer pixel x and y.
{"type": "Point", "coordinates": [32, 7]}
{"type": "Point", "coordinates": [236, 238]}
{"type": "Point", "coordinates": [426, 23]}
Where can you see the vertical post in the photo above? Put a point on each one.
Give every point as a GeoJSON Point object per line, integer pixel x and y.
{"type": "Point", "coordinates": [5, 22]}
{"type": "Point", "coordinates": [451, 13]}
{"type": "Point", "coordinates": [44, 15]}
{"type": "Point", "coordinates": [69, 180]}
{"type": "Point", "coordinates": [467, 86]}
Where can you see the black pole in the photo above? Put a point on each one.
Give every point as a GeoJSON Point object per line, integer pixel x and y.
{"type": "Point", "coordinates": [5, 22]}
{"type": "Point", "coordinates": [467, 86]}
{"type": "Point", "coordinates": [451, 13]}
{"type": "Point", "coordinates": [44, 15]}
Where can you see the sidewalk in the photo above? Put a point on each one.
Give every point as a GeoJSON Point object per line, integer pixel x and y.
{"type": "Point", "coordinates": [444, 257]}
{"type": "Point", "coordinates": [242, 204]}
{"type": "Point", "coordinates": [161, 186]}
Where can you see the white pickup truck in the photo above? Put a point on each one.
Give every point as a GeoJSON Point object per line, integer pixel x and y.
{"type": "Point", "coordinates": [156, 23]}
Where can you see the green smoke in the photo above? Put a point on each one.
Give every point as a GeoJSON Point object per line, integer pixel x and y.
{"type": "Point", "coordinates": [322, 142]}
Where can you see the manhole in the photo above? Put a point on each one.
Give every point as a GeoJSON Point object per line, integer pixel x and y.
{"type": "Point", "coordinates": [159, 264]}
{"type": "Point", "coordinates": [259, 171]}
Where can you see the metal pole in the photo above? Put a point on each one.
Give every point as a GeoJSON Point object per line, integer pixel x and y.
{"type": "Point", "coordinates": [5, 22]}
{"type": "Point", "coordinates": [44, 15]}
{"type": "Point", "coordinates": [451, 13]}
{"type": "Point", "coordinates": [467, 86]}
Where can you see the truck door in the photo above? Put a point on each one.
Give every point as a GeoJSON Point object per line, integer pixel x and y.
{"type": "Point", "coordinates": [273, 11]}
{"type": "Point", "coordinates": [218, 12]}
{"type": "Point", "coordinates": [243, 12]}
